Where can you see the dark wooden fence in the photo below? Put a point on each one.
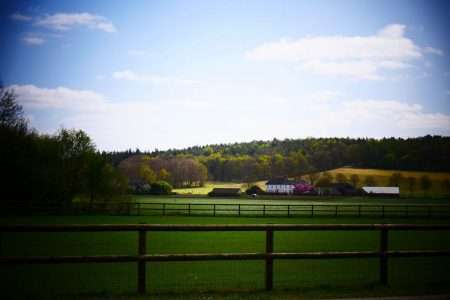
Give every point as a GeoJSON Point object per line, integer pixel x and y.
{"type": "Point", "coordinates": [383, 253]}
{"type": "Point", "coordinates": [242, 209]}
{"type": "Point", "coordinates": [289, 210]}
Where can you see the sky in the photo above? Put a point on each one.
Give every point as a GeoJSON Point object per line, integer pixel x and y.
{"type": "Point", "coordinates": [172, 74]}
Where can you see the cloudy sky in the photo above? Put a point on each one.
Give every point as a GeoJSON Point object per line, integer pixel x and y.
{"type": "Point", "coordinates": [165, 74]}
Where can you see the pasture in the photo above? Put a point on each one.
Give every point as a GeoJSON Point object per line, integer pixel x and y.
{"type": "Point", "coordinates": [296, 279]}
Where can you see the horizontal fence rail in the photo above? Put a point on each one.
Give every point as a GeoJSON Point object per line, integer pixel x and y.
{"type": "Point", "coordinates": [268, 256]}
{"type": "Point", "coordinates": [289, 210]}
{"type": "Point", "coordinates": [242, 209]}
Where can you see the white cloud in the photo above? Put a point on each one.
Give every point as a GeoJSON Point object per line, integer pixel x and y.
{"type": "Point", "coordinates": [432, 50]}
{"type": "Point", "coordinates": [67, 21]}
{"type": "Point", "coordinates": [129, 75]}
{"type": "Point", "coordinates": [33, 40]}
{"type": "Point", "coordinates": [33, 97]}
{"type": "Point", "coordinates": [21, 17]}
{"type": "Point", "coordinates": [360, 57]}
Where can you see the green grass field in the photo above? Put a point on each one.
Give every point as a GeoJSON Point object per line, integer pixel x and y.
{"type": "Point", "coordinates": [229, 280]}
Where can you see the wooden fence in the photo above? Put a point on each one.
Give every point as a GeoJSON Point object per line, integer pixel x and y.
{"type": "Point", "coordinates": [242, 209]}
{"type": "Point", "coordinates": [289, 210]}
{"type": "Point", "coordinates": [268, 256]}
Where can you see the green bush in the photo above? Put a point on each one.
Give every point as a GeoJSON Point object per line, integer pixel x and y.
{"type": "Point", "coordinates": [160, 188]}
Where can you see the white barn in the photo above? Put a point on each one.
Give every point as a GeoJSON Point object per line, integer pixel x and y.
{"type": "Point", "coordinates": [382, 190]}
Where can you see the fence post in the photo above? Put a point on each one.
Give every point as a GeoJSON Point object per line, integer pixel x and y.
{"type": "Point", "coordinates": [383, 256]}
{"type": "Point", "coordinates": [239, 209]}
{"type": "Point", "coordinates": [289, 210]}
{"type": "Point", "coordinates": [141, 264]}
{"type": "Point", "coordinates": [264, 210]}
{"type": "Point", "coordinates": [312, 210]}
{"type": "Point", "coordinates": [189, 209]}
{"type": "Point", "coordinates": [269, 260]}
{"type": "Point", "coordinates": [164, 209]}
{"type": "Point", "coordinates": [214, 210]}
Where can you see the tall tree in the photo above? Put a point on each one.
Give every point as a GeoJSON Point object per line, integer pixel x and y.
{"type": "Point", "coordinates": [354, 178]}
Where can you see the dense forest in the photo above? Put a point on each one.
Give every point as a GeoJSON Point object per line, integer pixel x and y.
{"type": "Point", "coordinates": [295, 157]}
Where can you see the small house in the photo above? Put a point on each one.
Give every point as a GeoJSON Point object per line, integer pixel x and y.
{"type": "Point", "coordinates": [381, 191]}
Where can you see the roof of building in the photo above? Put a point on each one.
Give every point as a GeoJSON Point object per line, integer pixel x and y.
{"type": "Point", "coordinates": [283, 181]}
{"type": "Point", "coordinates": [381, 189]}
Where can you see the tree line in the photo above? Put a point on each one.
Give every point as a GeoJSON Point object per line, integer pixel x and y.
{"type": "Point", "coordinates": [258, 160]}
{"type": "Point", "coordinates": [42, 169]}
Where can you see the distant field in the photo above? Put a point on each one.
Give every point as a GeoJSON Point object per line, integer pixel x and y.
{"type": "Point", "coordinates": [381, 178]}
{"type": "Point", "coordinates": [308, 278]}
{"type": "Point", "coordinates": [213, 184]}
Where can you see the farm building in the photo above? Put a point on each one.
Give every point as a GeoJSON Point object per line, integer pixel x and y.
{"type": "Point", "coordinates": [337, 189]}
{"type": "Point", "coordinates": [225, 192]}
{"type": "Point", "coordinates": [282, 185]}
{"type": "Point", "coordinates": [381, 191]}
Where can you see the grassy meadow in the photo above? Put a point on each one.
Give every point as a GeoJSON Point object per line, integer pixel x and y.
{"type": "Point", "coordinates": [296, 279]}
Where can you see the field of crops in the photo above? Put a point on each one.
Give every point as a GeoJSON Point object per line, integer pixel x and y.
{"type": "Point", "coordinates": [311, 278]}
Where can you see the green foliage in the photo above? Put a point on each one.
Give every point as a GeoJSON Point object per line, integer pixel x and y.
{"type": "Point", "coordinates": [370, 181]}
{"type": "Point", "coordinates": [396, 179]}
{"type": "Point", "coordinates": [258, 160]}
{"type": "Point", "coordinates": [147, 174]}
{"type": "Point", "coordinates": [54, 169]}
{"type": "Point", "coordinates": [354, 178]}
{"type": "Point", "coordinates": [426, 183]}
{"type": "Point", "coordinates": [161, 188]}
{"type": "Point", "coordinates": [325, 180]}
{"type": "Point", "coordinates": [341, 178]}
{"type": "Point", "coordinates": [411, 184]}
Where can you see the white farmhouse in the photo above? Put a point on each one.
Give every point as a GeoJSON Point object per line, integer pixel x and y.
{"type": "Point", "coordinates": [281, 186]}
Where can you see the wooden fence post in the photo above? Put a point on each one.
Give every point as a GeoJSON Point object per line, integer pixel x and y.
{"type": "Point", "coordinates": [383, 256]}
{"type": "Point", "coordinates": [141, 264]}
{"type": "Point", "coordinates": [269, 260]}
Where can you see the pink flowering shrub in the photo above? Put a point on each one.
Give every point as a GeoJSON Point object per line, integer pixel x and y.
{"type": "Point", "coordinates": [301, 188]}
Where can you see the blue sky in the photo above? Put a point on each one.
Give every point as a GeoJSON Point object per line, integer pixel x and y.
{"type": "Point", "coordinates": [165, 74]}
